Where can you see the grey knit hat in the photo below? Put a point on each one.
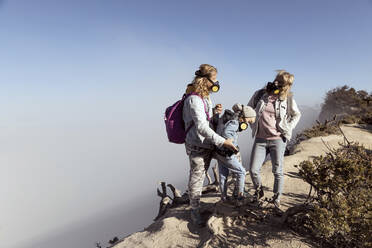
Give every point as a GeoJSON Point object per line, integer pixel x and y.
{"type": "Point", "coordinates": [243, 110]}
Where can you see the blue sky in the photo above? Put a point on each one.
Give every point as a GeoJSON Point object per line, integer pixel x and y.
{"type": "Point", "coordinates": [82, 47]}
{"type": "Point", "coordinates": [84, 85]}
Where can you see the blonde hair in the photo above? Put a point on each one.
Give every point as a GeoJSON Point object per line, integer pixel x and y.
{"type": "Point", "coordinates": [285, 79]}
{"type": "Point", "coordinates": [200, 81]}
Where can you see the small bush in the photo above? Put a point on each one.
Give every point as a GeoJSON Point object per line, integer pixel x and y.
{"type": "Point", "coordinates": [320, 129]}
{"type": "Point", "coordinates": [342, 179]}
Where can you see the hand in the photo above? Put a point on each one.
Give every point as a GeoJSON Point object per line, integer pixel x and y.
{"type": "Point", "coordinates": [218, 108]}
{"type": "Point", "coordinates": [229, 145]}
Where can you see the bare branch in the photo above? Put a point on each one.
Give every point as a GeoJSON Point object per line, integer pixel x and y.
{"type": "Point", "coordinates": [176, 192]}
{"type": "Point", "coordinates": [164, 205]}
{"type": "Point", "coordinates": [342, 132]}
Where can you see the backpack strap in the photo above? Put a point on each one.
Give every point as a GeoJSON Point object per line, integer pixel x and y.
{"type": "Point", "coordinates": [205, 106]}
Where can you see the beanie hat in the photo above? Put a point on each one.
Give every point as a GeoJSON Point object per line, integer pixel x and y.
{"type": "Point", "coordinates": [244, 111]}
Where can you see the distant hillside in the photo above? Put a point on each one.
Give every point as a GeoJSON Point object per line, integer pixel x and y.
{"type": "Point", "coordinates": [349, 104]}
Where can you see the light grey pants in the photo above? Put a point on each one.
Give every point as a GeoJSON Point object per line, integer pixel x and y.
{"type": "Point", "coordinates": [200, 159]}
{"type": "Point", "coordinates": [276, 149]}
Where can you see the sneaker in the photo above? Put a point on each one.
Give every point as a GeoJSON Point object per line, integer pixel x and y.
{"type": "Point", "coordinates": [242, 196]}
{"type": "Point", "coordinates": [277, 203]}
{"type": "Point", "coordinates": [240, 200]}
{"type": "Point", "coordinates": [196, 217]}
{"type": "Point", "coordinates": [275, 200]}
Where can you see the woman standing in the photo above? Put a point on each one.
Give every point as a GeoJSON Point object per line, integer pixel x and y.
{"type": "Point", "coordinates": [277, 116]}
{"type": "Point", "coordinates": [201, 139]}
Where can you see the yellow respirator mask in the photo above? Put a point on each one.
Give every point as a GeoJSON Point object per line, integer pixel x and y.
{"type": "Point", "coordinates": [243, 126]}
{"type": "Point", "coordinates": [215, 87]}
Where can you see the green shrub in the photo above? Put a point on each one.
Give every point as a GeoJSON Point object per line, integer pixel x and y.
{"type": "Point", "coordinates": [342, 179]}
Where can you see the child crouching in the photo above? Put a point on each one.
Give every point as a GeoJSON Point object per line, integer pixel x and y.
{"type": "Point", "coordinates": [229, 125]}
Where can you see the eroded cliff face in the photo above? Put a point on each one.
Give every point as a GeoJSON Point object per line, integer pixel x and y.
{"type": "Point", "coordinates": [228, 226]}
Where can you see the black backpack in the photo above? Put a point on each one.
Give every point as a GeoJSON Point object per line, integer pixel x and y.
{"type": "Point", "coordinates": [258, 96]}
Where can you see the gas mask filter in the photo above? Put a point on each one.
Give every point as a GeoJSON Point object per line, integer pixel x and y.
{"type": "Point", "coordinates": [273, 87]}
{"type": "Point", "coordinates": [242, 126]}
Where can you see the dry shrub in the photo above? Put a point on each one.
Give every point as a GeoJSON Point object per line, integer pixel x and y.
{"type": "Point", "coordinates": [342, 213]}
{"type": "Point", "coordinates": [320, 129]}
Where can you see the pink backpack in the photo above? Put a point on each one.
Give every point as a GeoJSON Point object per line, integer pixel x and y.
{"type": "Point", "coordinates": [174, 123]}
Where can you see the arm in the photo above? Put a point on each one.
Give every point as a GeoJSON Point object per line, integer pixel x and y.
{"type": "Point", "coordinates": [251, 104]}
{"type": "Point", "coordinates": [217, 113]}
{"type": "Point", "coordinates": [294, 113]}
{"type": "Point", "coordinates": [201, 123]}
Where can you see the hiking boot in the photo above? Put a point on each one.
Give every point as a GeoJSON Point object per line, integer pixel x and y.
{"type": "Point", "coordinates": [196, 217]}
{"type": "Point", "coordinates": [258, 194]}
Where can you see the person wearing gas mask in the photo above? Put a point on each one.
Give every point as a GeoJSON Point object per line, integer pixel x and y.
{"type": "Point", "coordinates": [277, 116]}
{"type": "Point", "coordinates": [201, 139]}
{"type": "Point", "coordinates": [233, 122]}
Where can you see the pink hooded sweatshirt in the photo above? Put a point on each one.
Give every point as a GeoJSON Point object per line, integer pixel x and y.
{"type": "Point", "coordinates": [267, 123]}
